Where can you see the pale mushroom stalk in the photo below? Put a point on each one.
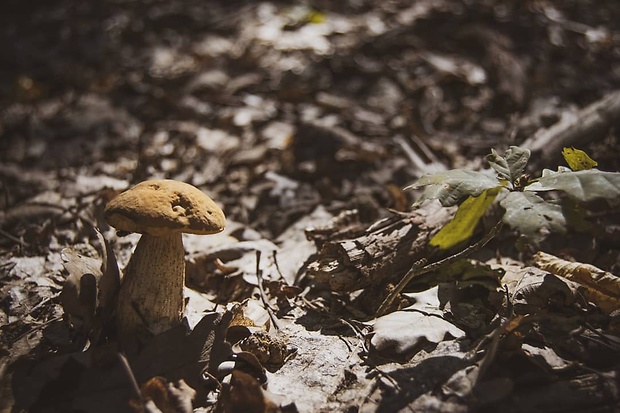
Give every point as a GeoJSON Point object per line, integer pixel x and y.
{"type": "Point", "coordinates": [152, 293]}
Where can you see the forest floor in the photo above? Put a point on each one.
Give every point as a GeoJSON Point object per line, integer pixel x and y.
{"type": "Point", "coordinates": [305, 121]}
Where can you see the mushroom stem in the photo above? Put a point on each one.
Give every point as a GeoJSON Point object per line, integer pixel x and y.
{"type": "Point", "coordinates": [150, 300]}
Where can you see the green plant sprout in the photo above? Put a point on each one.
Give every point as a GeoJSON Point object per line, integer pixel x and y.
{"type": "Point", "coordinates": [525, 211]}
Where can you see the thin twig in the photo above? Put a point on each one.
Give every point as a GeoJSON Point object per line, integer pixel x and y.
{"type": "Point", "coordinates": [35, 328]}
{"type": "Point", "coordinates": [135, 389]}
{"type": "Point", "coordinates": [263, 295]}
{"type": "Point", "coordinates": [14, 238]}
{"type": "Point", "coordinates": [274, 255]}
{"type": "Point", "coordinates": [417, 269]}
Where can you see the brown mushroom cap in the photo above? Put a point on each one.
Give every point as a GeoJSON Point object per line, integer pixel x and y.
{"type": "Point", "coordinates": [160, 207]}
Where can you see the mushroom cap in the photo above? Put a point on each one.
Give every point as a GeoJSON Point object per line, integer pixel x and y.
{"type": "Point", "coordinates": [160, 207]}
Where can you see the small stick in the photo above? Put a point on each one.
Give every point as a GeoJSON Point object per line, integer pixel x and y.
{"type": "Point", "coordinates": [275, 261]}
{"type": "Point", "coordinates": [574, 129]}
{"type": "Point", "coordinates": [417, 268]}
{"type": "Point", "coordinates": [135, 389]}
{"type": "Point", "coordinates": [14, 238]}
{"type": "Point", "coordinates": [263, 295]}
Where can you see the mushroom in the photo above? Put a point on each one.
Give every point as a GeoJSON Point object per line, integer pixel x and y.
{"type": "Point", "coordinates": [151, 299]}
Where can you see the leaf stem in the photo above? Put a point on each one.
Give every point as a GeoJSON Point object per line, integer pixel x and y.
{"type": "Point", "coordinates": [420, 268]}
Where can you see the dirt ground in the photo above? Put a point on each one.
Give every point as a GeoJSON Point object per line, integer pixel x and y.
{"type": "Point", "coordinates": [306, 121]}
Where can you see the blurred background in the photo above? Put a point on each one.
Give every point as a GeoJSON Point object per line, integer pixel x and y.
{"type": "Point", "coordinates": [276, 107]}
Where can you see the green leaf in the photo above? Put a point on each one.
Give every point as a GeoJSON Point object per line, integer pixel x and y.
{"type": "Point", "coordinates": [452, 186]}
{"type": "Point", "coordinates": [583, 186]}
{"type": "Point", "coordinates": [510, 166]}
{"type": "Point", "coordinates": [465, 220]}
{"type": "Point", "coordinates": [466, 271]}
{"type": "Point", "coordinates": [576, 215]}
{"type": "Point", "coordinates": [532, 216]}
{"type": "Point", "coordinates": [578, 160]}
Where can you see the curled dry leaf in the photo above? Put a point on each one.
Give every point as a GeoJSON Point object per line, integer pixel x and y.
{"type": "Point", "coordinates": [532, 290]}
{"type": "Point", "coordinates": [602, 287]}
{"type": "Point", "coordinates": [89, 292]}
{"type": "Point", "coordinates": [271, 350]}
{"type": "Point", "coordinates": [167, 397]}
{"type": "Point", "coordinates": [243, 393]}
{"type": "Point", "coordinates": [250, 313]}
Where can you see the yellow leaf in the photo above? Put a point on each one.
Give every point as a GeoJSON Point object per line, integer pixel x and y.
{"type": "Point", "coordinates": [578, 160]}
{"type": "Point", "coordinates": [316, 17]}
{"type": "Point", "coordinates": [465, 220]}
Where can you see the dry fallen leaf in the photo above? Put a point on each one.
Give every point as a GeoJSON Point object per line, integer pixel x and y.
{"type": "Point", "coordinates": [243, 393]}
{"type": "Point", "coordinates": [532, 290]}
{"type": "Point", "coordinates": [248, 317]}
{"type": "Point", "coordinates": [602, 287]}
{"type": "Point", "coordinates": [95, 381]}
{"type": "Point", "coordinates": [400, 335]}
{"type": "Point", "coordinates": [167, 397]}
{"type": "Point", "coordinates": [89, 292]}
